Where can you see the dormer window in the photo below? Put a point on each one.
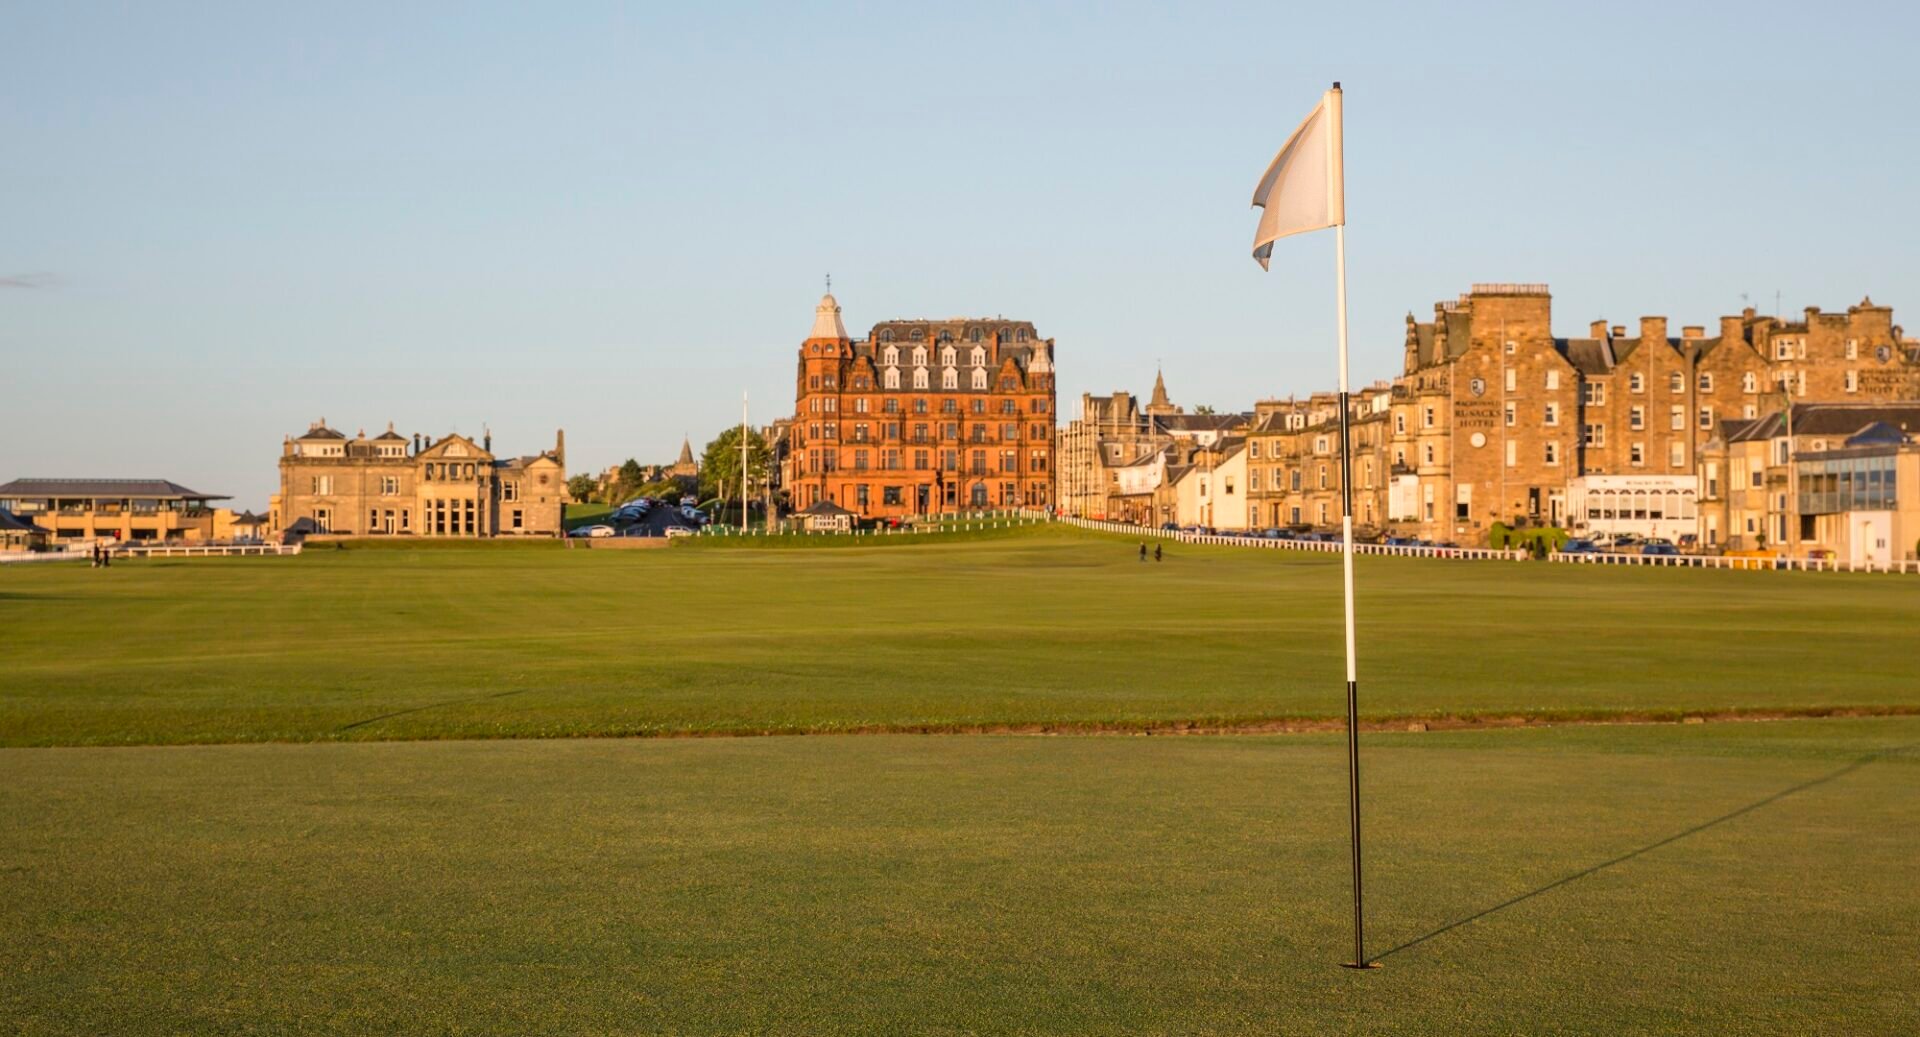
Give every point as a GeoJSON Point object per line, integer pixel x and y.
{"type": "Point", "coordinates": [892, 354]}
{"type": "Point", "coordinates": [919, 356]}
{"type": "Point", "coordinates": [978, 356]}
{"type": "Point", "coordinates": [919, 377]}
{"type": "Point", "coordinates": [949, 379]}
{"type": "Point", "coordinates": [979, 378]}
{"type": "Point", "coordinates": [892, 378]}
{"type": "Point", "coordinates": [973, 335]}
{"type": "Point", "coordinates": [947, 356]}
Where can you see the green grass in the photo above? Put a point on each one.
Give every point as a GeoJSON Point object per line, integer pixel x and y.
{"type": "Point", "coordinates": [1762, 883]}
{"type": "Point", "coordinates": [1022, 627]}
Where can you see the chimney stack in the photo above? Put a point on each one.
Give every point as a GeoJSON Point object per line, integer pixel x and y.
{"type": "Point", "coordinates": [560, 446]}
{"type": "Point", "coordinates": [416, 442]}
{"type": "Point", "coordinates": [1732, 329]}
{"type": "Point", "coordinates": [1653, 329]}
{"type": "Point", "coordinates": [1619, 331]}
{"type": "Point", "coordinates": [1598, 329]}
{"type": "Point", "coordinates": [1693, 331]}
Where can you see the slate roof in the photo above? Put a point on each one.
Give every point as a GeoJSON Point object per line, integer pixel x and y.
{"type": "Point", "coordinates": [10, 523]}
{"type": "Point", "coordinates": [154, 489]}
{"type": "Point", "coordinates": [1827, 419]}
{"type": "Point", "coordinates": [823, 508]}
{"type": "Point", "coordinates": [1589, 356]}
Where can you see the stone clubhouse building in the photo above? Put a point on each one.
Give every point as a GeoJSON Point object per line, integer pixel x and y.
{"type": "Point", "coordinates": [920, 417]}
{"type": "Point", "coordinates": [393, 485]}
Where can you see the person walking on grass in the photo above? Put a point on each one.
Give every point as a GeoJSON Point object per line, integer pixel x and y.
{"type": "Point", "coordinates": [1143, 550]}
{"type": "Point", "coordinates": [1156, 552]}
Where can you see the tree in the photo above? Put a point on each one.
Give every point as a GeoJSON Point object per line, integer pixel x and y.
{"type": "Point", "coordinates": [1203, 409]}
{"type": "Point", "coordinates": [631, 473]}
{"type": "Point", "coordinates": [582, 487]}
{"type": "Point", "coordinates": [720, 464]}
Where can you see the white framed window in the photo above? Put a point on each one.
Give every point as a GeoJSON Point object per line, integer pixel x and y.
{"type": "Point", "coordinates": [979, 378]}
{"type": "Point", "coordinates": [1512, 381]}
{"type": "Point", "coordinates": [1552, 451]}
{"type": "Point", "coordinates": [1553, 380]}
{"type": "Point", "coordinates": [891, 379]}
{"type": "Point", "coordinates": [1853, 349]}
{"type": "Point", "coordinates": [1426, 417]}
{"type": "Point", "coordinates": [978, 356]}
{"type": "Point", "coordinates": [1513, 453]}
{"type": "Point", "coordinates": [1749, 383]}
{"type": "Point", "coordinates": [1677, 418]}
{"type": "Point", "coordinates": [1637, 455]}
{"type": "Point", "coordinates": [1552, 414]}
{"type": "Point", "coordinates": [1706, 417]}
{"type": "Point", "coordinates": [1637, 417]}
{"type": "Point", "coordinates": [1676, 382]}
{"type": "Point", "coordinates": [1853, 381]}
{"type": "Point", "coordinates": [949, 379]}
{"type": "Point", "coordinates": [1512, 413]}
{"type": "Point", "coordinates": [919, 377]}
{"type": "Point", "coordinates": [1595, 393]}
{"type": "Point", "coordinates": [1706, 381]}
{"type": "Point", "coordinates": [1636, 382]}
{"type": "Point", "coordinates": [1676, 455]}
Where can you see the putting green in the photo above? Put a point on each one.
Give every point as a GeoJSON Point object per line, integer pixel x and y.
{"type": "Point", "coordinates": [1752, 878]}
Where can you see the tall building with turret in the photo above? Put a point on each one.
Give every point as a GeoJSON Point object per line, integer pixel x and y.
{"type": "Point", "coordinates": [921, 416]}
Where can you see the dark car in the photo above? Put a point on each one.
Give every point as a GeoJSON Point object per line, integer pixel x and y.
{"type": "Point", "coordinates": [1173, 526]}
{"type": "Point", "coordinates": [1659, 548]}
{"type": "Point", "coordinates": [1579, 546]}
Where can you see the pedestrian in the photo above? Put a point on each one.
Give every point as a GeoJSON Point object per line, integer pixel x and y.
{"type": "Point", "coordinates": [93, 555]}
{"type": "Point", "coordinates": [1156, 552]}
{"type": "Point", "coordinates": [1143, 550]}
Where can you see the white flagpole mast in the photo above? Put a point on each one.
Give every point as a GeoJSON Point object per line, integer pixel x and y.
{"type": "Point", "coordinates": [743, 462]}
{"type": "Point", "coordinates": [1336, 181]}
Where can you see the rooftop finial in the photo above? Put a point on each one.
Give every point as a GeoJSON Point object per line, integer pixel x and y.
{"type": "Point", "coordinates": [829, 284]}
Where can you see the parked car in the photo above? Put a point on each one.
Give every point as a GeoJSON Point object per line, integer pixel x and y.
{"type": "Point", "coordinates": [598, 530]}
{"type": "Point", "coordinates": [1579, 546]}
{"type": "Point", "coordinates": [1170, 526]}
{"type": "Point", "coordinates": [689, 501]}
{"type": "Point", "coordinates": [1272, 534]}
{"type": "Point", "coordinates": [1659, 547]}
{"type": "Point", "coordinates": [678, 531]}
{"type": "Point", "coordinates": [1400, 542]}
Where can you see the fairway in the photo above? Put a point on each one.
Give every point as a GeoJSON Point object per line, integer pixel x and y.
{"type": "Point", "coordinates": [1752, 878]}
{"type": "Point", "coordinates": [1036, 627]}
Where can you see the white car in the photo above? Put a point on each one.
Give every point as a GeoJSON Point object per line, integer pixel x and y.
{"type": "Point", "coordinates": [678, 531]}
{"type": "Point", "coordinates": [592, 531]}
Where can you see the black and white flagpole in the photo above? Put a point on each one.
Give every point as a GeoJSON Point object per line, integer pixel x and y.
{"type": "Point", "coordinates": [1304, 189]}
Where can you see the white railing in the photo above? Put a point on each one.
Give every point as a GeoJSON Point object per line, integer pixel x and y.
{"type": "Point", "coordinates": [951, 522]}
{"type": "Point", "coordinates": [124, 551]}
{"type": "Point", "coordinates": [1247, 540]}
{"type": "Point", "coordinates": [1774, 563]}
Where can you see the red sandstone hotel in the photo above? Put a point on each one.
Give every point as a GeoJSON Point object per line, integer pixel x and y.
{"type": "Point", "coordinates": [922, 416]}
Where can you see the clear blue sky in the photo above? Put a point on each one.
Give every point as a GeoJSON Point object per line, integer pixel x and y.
{"type": "Point", "coordinates": [219, 222]}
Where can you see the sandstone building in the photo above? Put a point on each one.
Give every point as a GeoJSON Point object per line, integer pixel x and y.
{"type": "Point", "coordinates": [390, 485]}
{"type": "Point", "coordinates": [1495, 419]}
{"type": "Point", "coordinates": [921, 416]}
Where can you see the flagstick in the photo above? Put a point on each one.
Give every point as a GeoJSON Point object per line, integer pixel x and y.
{"type": "Point", "coordinates": [1346, 565]}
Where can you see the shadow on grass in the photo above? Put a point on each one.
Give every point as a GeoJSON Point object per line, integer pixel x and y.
{"type": "Point", "coordinates": [1649, 848]}
{"type": "Point", "coordinates": [431, 705]}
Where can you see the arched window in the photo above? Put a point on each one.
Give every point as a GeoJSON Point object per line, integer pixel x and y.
{"type": "Point", "coordinates": [949, 379]}
{"type": "Point", "coordinates": [1020, 335]}
{"type": "Point", "coordinates": [979, 378]}
{"type": "Point", "coordinates": [919, 356]}
{"type": "Point", "coordinates": [892, 378]}
{"type": "Point", "coordinates": [919, 333]}
{"type": "Point", "coordinates": [886, 334]}
{"type": "Point", "coordinates": [946, 356]}
{"type": "Point", "coordinates": [920, 380]}
{"type": "Point", "coordinates": [973, 335]}
{"type": "Point", "coordinates": [892, 354]}
{"type": "Point", "coordinates": [1006, 335]}
{"type": "Point", "coordinates": [978, 357]}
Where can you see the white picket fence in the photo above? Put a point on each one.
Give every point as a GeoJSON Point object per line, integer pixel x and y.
{"type": "Point", "coordinates": [1479, 554]}
{"type": "Point", "coordinates": [1767, 563]}
{"type": "Point", "coordinates": [125, 551]}
{"type": "Point", "coordinates": [960, 523]}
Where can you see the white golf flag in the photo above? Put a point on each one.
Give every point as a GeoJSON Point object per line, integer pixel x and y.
{"type": "Point", "coordinates": [1305, 188]}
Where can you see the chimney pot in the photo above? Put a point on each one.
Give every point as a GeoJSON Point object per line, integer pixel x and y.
{"type": "Point", "coordinates": [1693, 331]}
{"type": "Point", "coordinates": [1619, 331]}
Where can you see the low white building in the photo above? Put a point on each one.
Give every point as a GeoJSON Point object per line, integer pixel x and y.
{"type": "Point", "coordinates": [1215, 494]}
{"type": "Point", "coordinates": [1648, 505]}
